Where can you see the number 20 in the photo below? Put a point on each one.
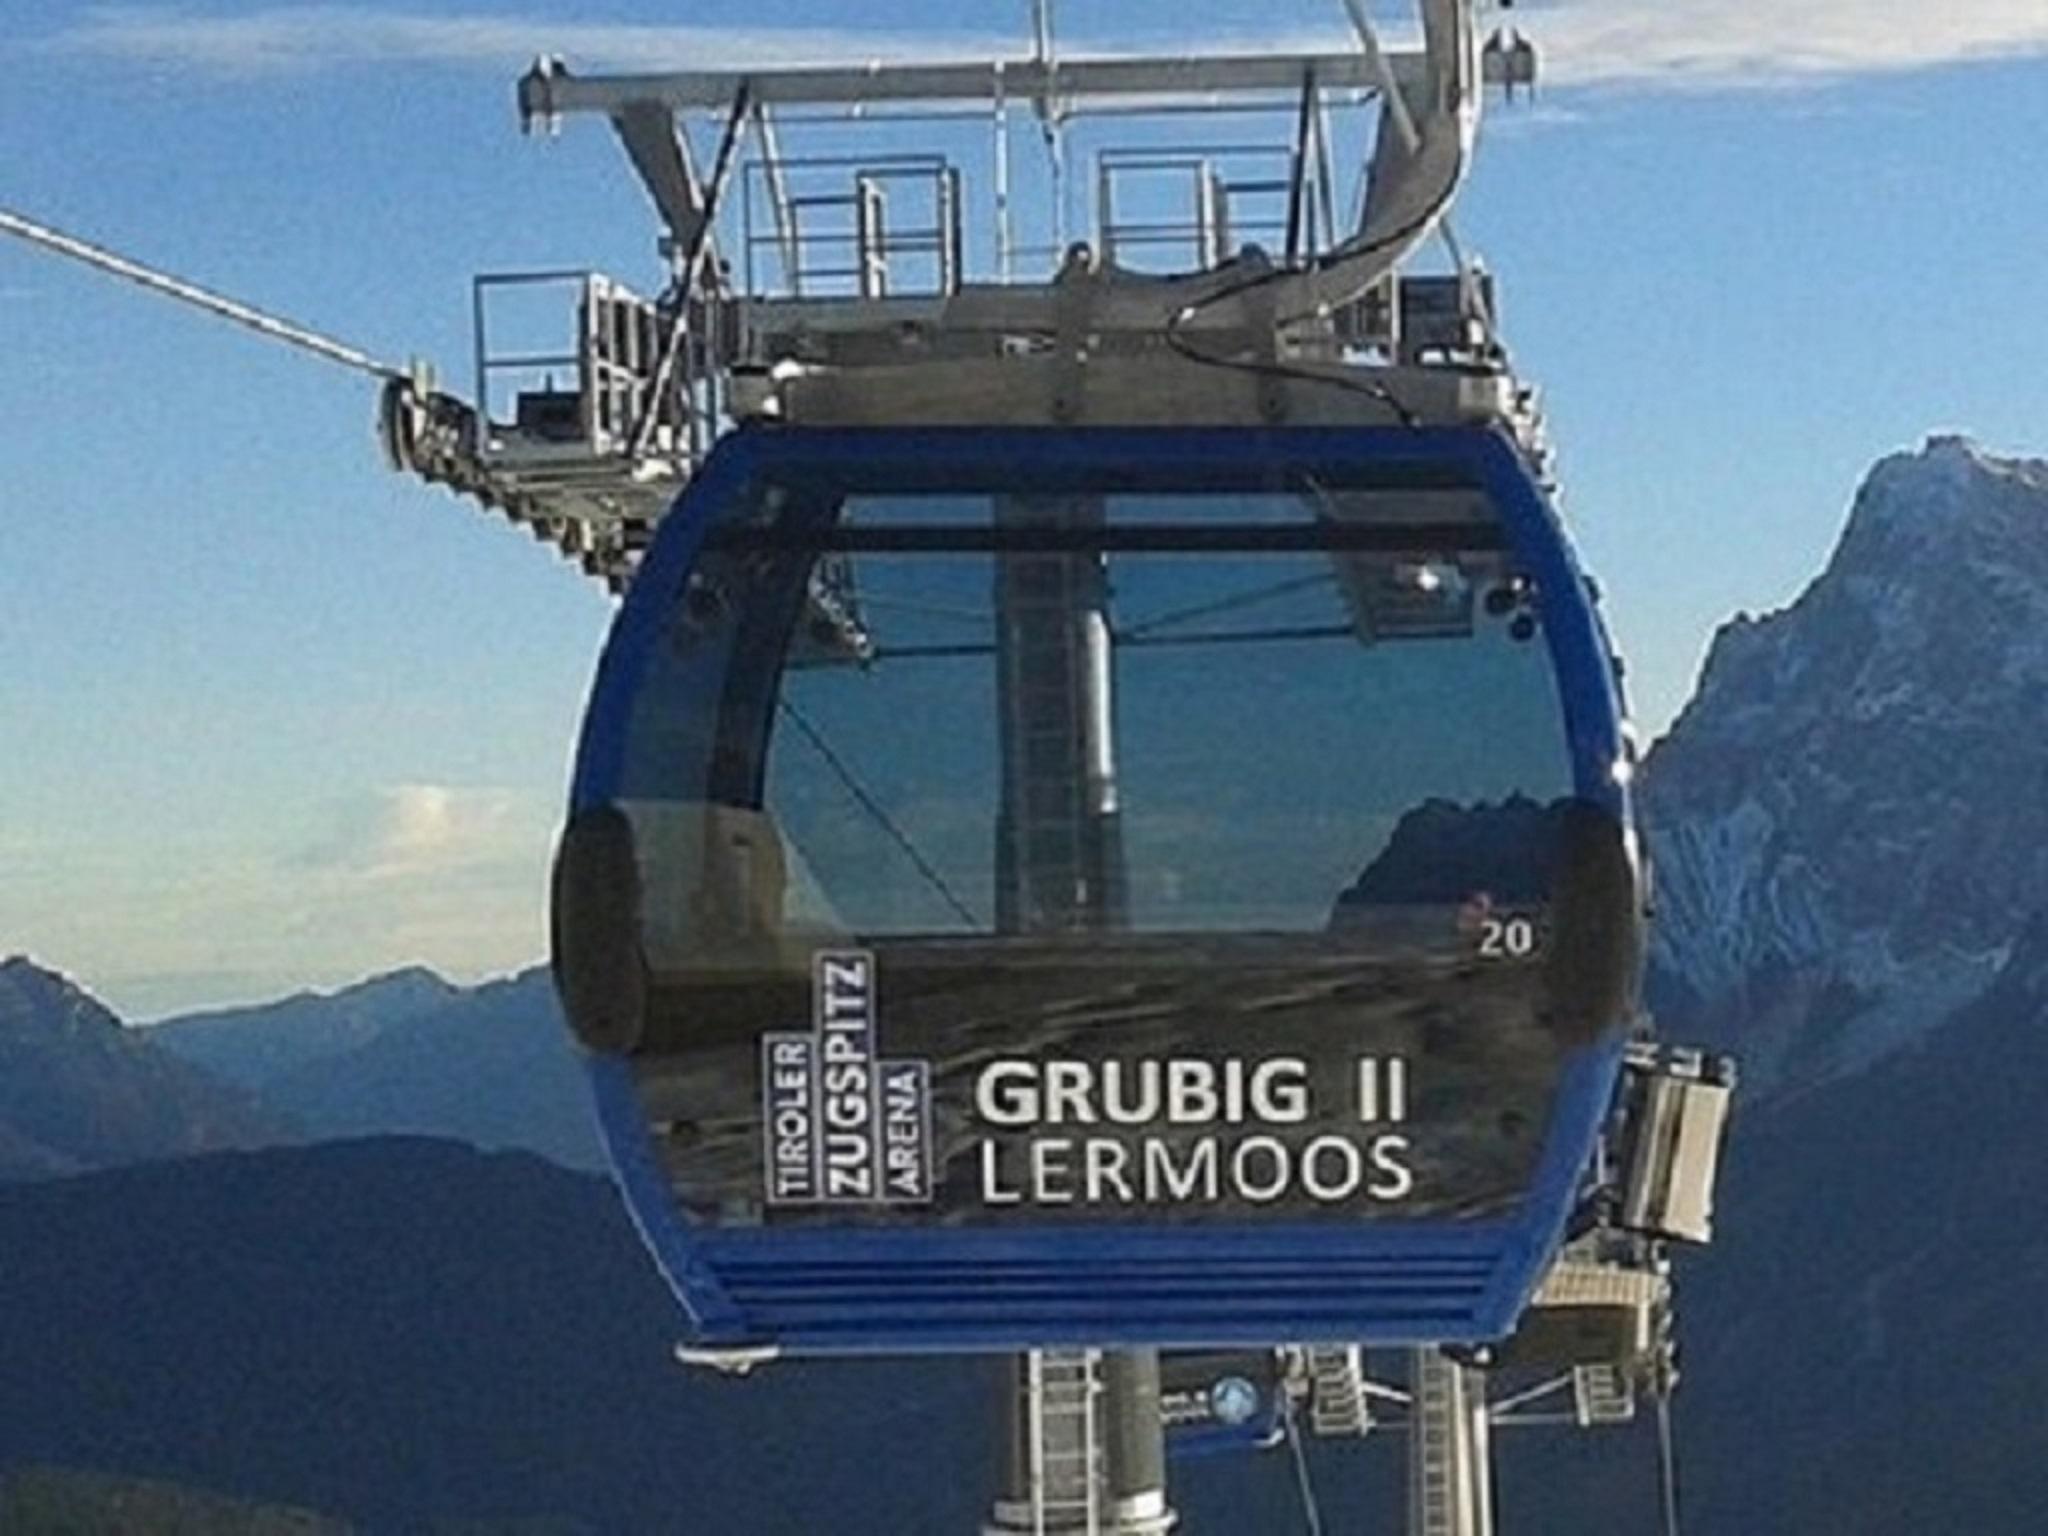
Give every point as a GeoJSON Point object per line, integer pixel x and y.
{"type": "Point", "coordinates": [1511, 938]}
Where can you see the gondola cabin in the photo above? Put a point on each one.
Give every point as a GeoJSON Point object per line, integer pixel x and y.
{"type": "Point", "coordinates": [1126, 885]}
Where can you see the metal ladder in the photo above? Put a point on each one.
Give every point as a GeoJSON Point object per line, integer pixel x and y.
{"type": "Point", "coordinates": [1062, 1390]}
{"type": "Point", "coordinates": [1336, 1391]}
{"type": "Point", "coordinates": [1602, 1394]}
{"type": "Point", "coordinates": [1450, 1491]}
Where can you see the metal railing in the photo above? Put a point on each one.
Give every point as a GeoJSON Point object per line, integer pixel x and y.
{"type": "Point", "coordinates": [594, 394]}
{"type": "Point", "coordinates": [822, 226]}
{"type": "Point", "coordinates": [1204, 190]}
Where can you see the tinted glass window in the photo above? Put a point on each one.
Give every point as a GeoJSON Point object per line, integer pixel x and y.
{"type": "Point", "coordinates": [1273, 734]}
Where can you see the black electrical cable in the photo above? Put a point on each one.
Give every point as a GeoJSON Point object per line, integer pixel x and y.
{"type": "Point", "coordinates": [1368, 387]}
{"type": "Point", "coordinates": [1180, 345]}
{"type": "Point", "coordinates": [873, 807]}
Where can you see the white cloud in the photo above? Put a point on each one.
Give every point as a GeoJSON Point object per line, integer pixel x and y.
{"type": "Point", "coordinates": [450, 876]}
{"type": "Point", "coordinates": [453, 875]}
{"type": "Point", "coordinates": [1705, 44]}
{"type": "Point", "coordinates": [1709, 44]}
{"type": "Point", "coordinates": [406, 831]}
{"type": "Point", "coordinates": [284, 39]}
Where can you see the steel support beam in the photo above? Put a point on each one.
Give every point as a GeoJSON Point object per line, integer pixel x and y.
{"type": "Point", "coordinates": [648, 131]}
{"type": "Point", "coordinates": [550, 91]}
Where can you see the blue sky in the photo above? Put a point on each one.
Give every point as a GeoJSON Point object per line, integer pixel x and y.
{"type": "Point", "coordinates": [275, 717]}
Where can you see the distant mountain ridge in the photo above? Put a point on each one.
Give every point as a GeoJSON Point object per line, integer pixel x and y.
{"type": "Point", "coordinates": [80, 1091]}
{"type": "Point", "coordinates": [410, 1054]}
{"type": "Point", "coordinates": [254, 1045]}
{"type": "Point", "coordinates": [403, 1054]}
{"type": "Point", "coordinates": [1849, 822]}
{"type": "Point", "coordinates": [492, 1066]}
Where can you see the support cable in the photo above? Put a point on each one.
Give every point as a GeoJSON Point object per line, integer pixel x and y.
{"type": "Point", "coordinates": [1139, 630]}
{"type": "Point", "coordinates": [216, 304]}
{"type": "Point", "coordinates": [1225, 604]}
{"type": "Point", "coordinates": [875, 810]}
{"type": "Point", "coordinates": [1279, 634]}
{"type": "Point", "coordinates": [1667, 1465]}
{"type": "Point", "coordinates": [1311, 1508]}
{"type": "Point", "coordinates": [976, 616]}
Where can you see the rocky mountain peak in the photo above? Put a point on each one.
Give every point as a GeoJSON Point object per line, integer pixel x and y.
{"type": "Point", "coordinates": [1850, 819]}
{"type": "Point", "coordinates": [1950, 527]}
{"type": "Point", "coordinates": [78, 1089]}
{"type": "Point", "coordinates": [36, 1001]}
{"type": "Point", "coordinates": [1936, 594]}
